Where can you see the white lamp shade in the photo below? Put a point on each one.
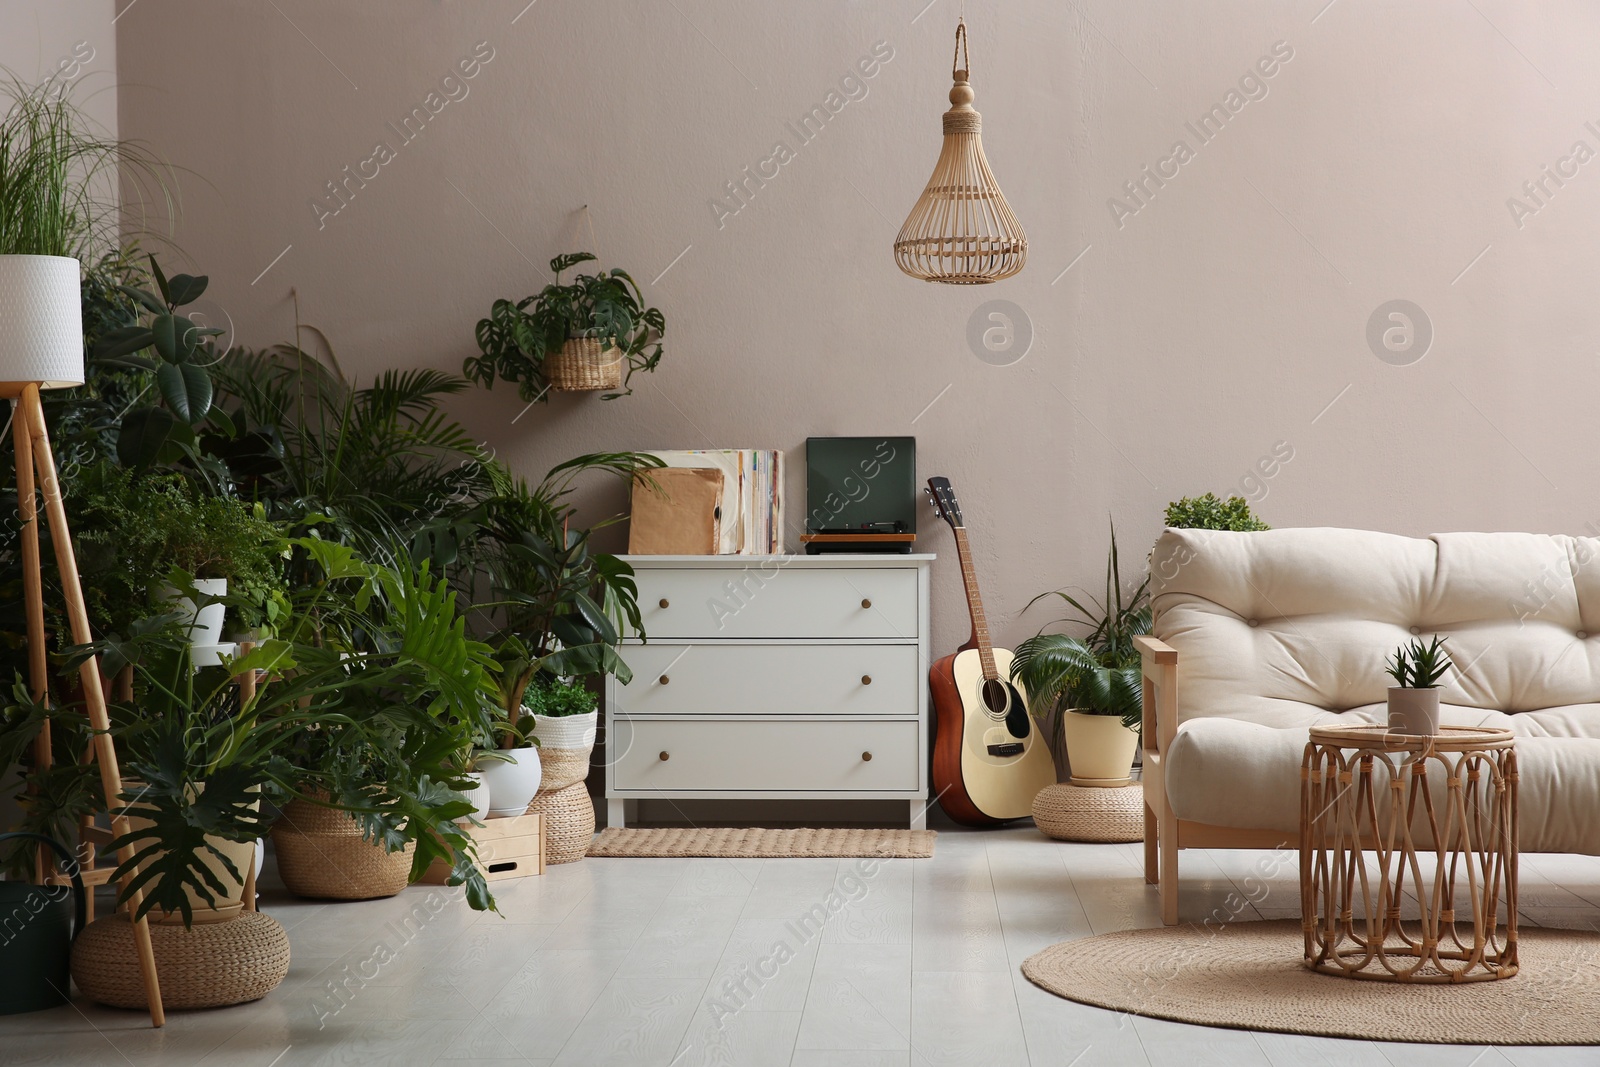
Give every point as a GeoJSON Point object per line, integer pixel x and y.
{"type": "Point", "coordinates": [41, 321]}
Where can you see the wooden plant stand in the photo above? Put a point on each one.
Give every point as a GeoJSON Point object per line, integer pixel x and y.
{"type": "Point", "coordinates": [1383, 815]}
{"type": "Point", "coordinates": [511, 847]}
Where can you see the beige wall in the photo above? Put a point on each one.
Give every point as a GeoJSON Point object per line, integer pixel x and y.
{"type": "Point", "coordinates": [72, 41]}
{"type": "Point", "coordinates": [1218, 320]}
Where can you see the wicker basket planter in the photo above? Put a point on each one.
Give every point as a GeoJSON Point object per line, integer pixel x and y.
{"type": "Point", "coordinates": [322, 854]}
{"type": "Point", "coordinates": [565, 743]}
{"type": "Point", "coordinates": [1073, 813]}
{"type": "Point", "coordinates": [211, 965]}
{"type": "Point", "coordinates": [568, 822]}
{"type": "Point", "coordinates": [582, 365]}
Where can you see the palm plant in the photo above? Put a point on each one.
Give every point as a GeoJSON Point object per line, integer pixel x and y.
{"type": "Point", "coordinates": [369, 466]}
{"type": "Point", "coordinates": [1098, 674]}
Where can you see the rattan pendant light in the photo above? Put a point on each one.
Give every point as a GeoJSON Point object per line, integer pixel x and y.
{"type": "Point", "coordinates": [961, 231]}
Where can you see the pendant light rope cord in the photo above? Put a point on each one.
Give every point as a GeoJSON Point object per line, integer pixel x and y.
{"type": "Point", "coordinates": [957, 71]}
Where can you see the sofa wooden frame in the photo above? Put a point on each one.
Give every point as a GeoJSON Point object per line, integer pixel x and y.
{"type": "Point", "coordinates": [1164, 833]}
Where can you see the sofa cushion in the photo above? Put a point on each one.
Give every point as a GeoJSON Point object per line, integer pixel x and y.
{"type": "Point", "coordinates": [1227, 772]}
{"type": "Point", "coordinates": [1284, 628]}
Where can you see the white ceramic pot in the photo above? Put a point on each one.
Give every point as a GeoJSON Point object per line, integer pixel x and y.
{"type": "Point", "coordinates": [204, 625]}
{"type": "Point", "coordinates": [1099, 748]}
{"type": "Point", "coordinates": [512, 782]}
{"type": "Point", "coordinates": [567, 731]}
{"type": "Point", "coordinates": [1414, 711]}
{"type": "Point", "coordinates": [478, 795]}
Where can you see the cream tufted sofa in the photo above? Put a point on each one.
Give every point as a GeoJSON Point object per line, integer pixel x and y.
{"type": "Point", "coordinates": [1258, 636]}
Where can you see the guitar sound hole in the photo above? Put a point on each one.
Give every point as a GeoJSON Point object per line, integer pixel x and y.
{"type": "Point", "coordinates": [996, 696]}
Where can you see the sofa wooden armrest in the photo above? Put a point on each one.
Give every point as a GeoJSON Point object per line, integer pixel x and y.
{"type": "Point", "coordinates": [1159, 675]}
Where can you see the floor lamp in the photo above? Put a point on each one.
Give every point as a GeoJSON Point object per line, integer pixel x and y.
{"type": "Point", "coordinates": [41, 347]}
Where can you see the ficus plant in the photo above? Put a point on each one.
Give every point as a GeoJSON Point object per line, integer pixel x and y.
{"type": "Point", "coordinates": [1210, 512]}
{"type": "Point", "coordinates": [516, 338]}
{"type": "Point", "coordinates": [179, 352]}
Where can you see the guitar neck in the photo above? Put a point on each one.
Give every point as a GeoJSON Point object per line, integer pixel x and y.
{"type": "Point", "coordinates": [980, 623]}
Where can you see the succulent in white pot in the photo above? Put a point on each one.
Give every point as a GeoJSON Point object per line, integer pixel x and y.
{"type": "Point", "coordinates": [565, 718]}
{"type": "Point", "coordinates": [1414, 698]}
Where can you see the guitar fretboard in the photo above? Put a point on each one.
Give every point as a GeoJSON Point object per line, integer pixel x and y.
{"type": "Point", "coordinates": [980, 624]}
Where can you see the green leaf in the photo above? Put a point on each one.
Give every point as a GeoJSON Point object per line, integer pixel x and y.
{"type": "Point", "coordinates": [186, 288]}
{"type": "Point", "coordinates": [161, 279]}
{"type": "Point", "coordinates": [143, 433]}
{"type": "Point", "coordinates": [186, 388]}
{"type": "Point", "coordinates": [122, 341]}
{"type": "Point", "coordinates": [144, 299]}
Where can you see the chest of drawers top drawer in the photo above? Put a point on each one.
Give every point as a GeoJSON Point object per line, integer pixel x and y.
{"type": "Point", "coordinates": [764, 598]}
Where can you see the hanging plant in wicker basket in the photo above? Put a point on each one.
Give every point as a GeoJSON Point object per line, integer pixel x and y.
{"type": "Point", "coordinates": [961, 231]}
{"type": "Point", "coordinates": [589, 335]}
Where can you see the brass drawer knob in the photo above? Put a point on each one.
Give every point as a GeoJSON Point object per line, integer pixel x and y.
{"type": "Point", "coordinates": [663, 602]}
{"type": "Point", "coordinates": [664, 757]}
{"type": "Point", "coordinates": [866, 679]}
{"type": "Point", "coordinates": [866, 757]}
{"type": "Point", "coordinates": [665, 679]}
{"type": "Point", "coordinates": [865, 603]}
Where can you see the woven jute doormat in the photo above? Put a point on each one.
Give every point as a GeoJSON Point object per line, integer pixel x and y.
{"type": "Point", "coordinates": [755, 843]}
{"type": "Point", "coordinates": [1249, 976]}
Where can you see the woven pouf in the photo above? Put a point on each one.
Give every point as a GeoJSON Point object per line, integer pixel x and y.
{"type": "Point", "coordinates": [568, 822]}
{"type": "Point", "coordinates": [1101, 814]}
{"type": "Point", "coordinates": [561, 767]}
{"type": "Point", "coordinates": [322, 854]}
{"type": "Point", "coordinates": [210, 965]}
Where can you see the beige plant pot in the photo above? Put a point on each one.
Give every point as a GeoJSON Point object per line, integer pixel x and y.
{"type": "Point", "coordinates": [1099, 749]}
{"type": "Point", "coordinates": [1414, 711]}
{"type": "Point", "coordinates": [228, 905]}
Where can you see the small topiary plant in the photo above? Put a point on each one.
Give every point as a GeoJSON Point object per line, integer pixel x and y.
{"type": "Point", "coordinates": [1209, 513]}
{"type": "Point", "coordinates": [558, 698]}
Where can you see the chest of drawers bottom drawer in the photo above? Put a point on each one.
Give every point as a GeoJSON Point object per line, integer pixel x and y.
{"type": "Point", "coordinates": [671, 755]}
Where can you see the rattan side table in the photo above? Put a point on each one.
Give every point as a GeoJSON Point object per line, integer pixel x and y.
{"type": "Point", "coordinates": [1384, 814]}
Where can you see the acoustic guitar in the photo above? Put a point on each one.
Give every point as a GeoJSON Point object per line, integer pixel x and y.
{"type": "Point", "coordinates": [989, 760]}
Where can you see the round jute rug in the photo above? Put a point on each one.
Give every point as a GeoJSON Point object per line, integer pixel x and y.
{"type": "Point", "coordinates": [1249, 976]}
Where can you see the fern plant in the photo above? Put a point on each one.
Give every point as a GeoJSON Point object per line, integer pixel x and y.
{"type": "Point", "coordinates": [1098, 674]}
{"type": "Point", "coordinates": [1419, 666]}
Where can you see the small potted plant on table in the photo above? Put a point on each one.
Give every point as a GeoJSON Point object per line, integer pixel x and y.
{"type": "Point", "coordinates": [1414, 698]}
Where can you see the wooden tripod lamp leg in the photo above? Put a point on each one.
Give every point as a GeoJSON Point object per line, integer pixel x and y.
{"type": "Point", "coordinates": [33, 597]}
{"type": "Point", "coordinates": [94, 695]}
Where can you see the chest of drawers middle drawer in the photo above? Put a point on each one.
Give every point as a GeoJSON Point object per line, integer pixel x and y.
{"type": "Point", "coordinates": [726, 678]}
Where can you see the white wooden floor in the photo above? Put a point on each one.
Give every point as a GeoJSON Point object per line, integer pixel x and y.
{"type": "Point", "coordinates": [637, 962]}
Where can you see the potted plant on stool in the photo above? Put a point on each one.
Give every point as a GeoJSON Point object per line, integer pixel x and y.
{"type": "Point", "coordinates": [1091, 684]}
{"type": "Point", "coordinates": [1414, 698]}
{"type": "Point", "coordinates": [565, 718]}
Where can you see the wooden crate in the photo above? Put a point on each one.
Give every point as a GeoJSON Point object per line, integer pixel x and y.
{"type": "Point", "coordinates": [512, 847]}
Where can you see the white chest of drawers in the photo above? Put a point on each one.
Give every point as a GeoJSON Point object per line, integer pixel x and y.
{"type": "Point", "coordinates": [774, 678]}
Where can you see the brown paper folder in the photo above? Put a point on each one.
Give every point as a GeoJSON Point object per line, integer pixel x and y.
{"type": "Point", "coordinates": [678, 516]}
